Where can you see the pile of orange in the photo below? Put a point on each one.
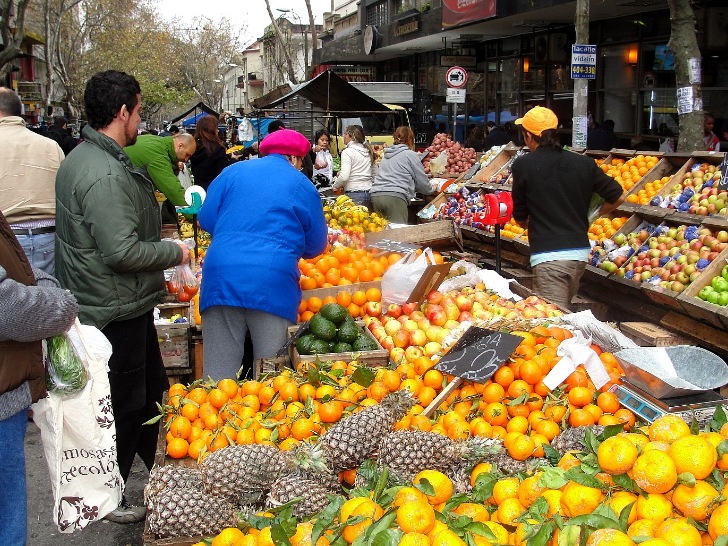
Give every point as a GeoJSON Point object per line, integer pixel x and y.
{"type": "Point", "coordinates": [628, 172]}
{"type": "Point", "coordinates": [341, 265]}
{"type": "Point", "coordinates": [644, 195]}
{"type": "Point", "coordinates": [354, 301]}
{"type": "Point", "coordinates": [512, 230]}
{"type": "Point", "coordinates": [605, 228]}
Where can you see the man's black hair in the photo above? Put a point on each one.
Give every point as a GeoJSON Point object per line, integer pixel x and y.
{"type": "Point", "coordinates": [59, 121]}
{"type": "Point", "coordinates": [10, 104]}
{"type": "Point", "coordinates": [173, 129]}
{"type": "Point", "coordinates": [105, 94]}
{"type": "Point", "coordinates": [275, 125]}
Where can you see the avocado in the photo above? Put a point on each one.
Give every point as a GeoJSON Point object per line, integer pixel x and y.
{"type": "Point", "coordinates": [364, 343]}
{"type": "Point", "coordinates": [320, 346]}
{"type": "Point", "coordinates": [322, 328]}
{"type": "Point", "coordinates": [303, 344]}
{"type": "Point", "coordinates": [342, 347]}
{"type": "Point", "coordinates": [348, 332]}
{"type": "Point", "coordinates": [334, 312]}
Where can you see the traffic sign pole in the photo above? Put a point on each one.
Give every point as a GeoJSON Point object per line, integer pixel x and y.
{"type": "Point", "coordinates": [456, 77]}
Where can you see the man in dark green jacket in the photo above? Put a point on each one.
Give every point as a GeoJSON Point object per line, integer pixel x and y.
{"type": "Point", "coordinates": [110, 256]}
{"type": "Point", "coordinates": [160, 156]}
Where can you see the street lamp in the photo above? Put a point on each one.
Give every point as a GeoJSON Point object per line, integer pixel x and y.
{"type": "Point", "coordinates": [305, 39]}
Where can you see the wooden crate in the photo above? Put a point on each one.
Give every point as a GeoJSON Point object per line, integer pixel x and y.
{"type": "Point", "coordinates": [375, 358]}
{"type": "Point", "coordinates": [497, 164]}
{"type": "Point", "coordinates": [174, 344]}
{"type": "Point", "coordinates": [714, 315]}
{"type": "Point", "coordinates": [666, 166]}
{"type": "Point", "coordinates": [646, 334]}
{"type": "Point", "coordinates": [442, 234]}
{"type": "Point", "coordinates": [712, 158]}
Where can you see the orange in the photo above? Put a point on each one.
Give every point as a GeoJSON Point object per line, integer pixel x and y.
{"type": "Point", "coordinates": [441, 484]}
{"type": "Point", "coordinates": [505, 488]}
{"type": "Point", "coordinates": [509, 510]}
{"type": "Point", "coordinates": [678, 532]}
{"type": "Point", "coordinates": [718, 523]}
{"type": "Point", "coordinates": [617, 455]}
{"type": "Point", "coordinates": [619, 500]}
{"type": "Point", "coordinates": [198, 395]}
{"type": "Point", "coordinates": [416, 516]}
{"type": "Point", "coordinates": [330, 412]}
{"type": "Point", "coordinates": [432, 378]}
{"type": "Point", "coordinates": [625, 416]}
{"type": "Point", "coordinates": [668, 428]}
{"type": "Point", "coordinates": [229, 386]}
{"type": "Point", "coordinates": [343, 298]}
{"type": "Point", "coordinates": [314, 304]}
{"type": "Point", "coordinates": [303, 428]}
{"type": "Point", "coordinates": [643, 528]}
{"type": "Point", "coordinates": [694, 502]}
{"type": "Point", "coordinates": [693, 454]}
{"type": "Point", "coordinates": [408, 494]}
{"type": "Point", "coordinates": [581, 418]}
{"type": "Point", "coordinates": [496, 413]}
{"type": "Point", "coordinates": [609, 537]}
{"type": "Point", "coordinates": [577, 499]}
{"type": "Point", "coordinates": [494, 392]}
{"type": "Point", "coordinates": [374, 294]}
{"type": "Point", "coordinates": [654, 472]}
{"type": "Point", "coordinates": [359, 297]}
{"type": "Point", "coordinates": [548, 428]}
{"type": "Point", "coordinates": [529, 490]}
{"type": "Point", "coordinates": [654, 507]}
{"type": "Point", "coordinates": [414, 539]}
{"type": "Point", "coordinates": [180, 427]}
{"type": "Point", "coordinates": [354, 310]}
{"type": "Point", "coordinates": [177, 448]}
{"type": "Point", "coordinates": [521, 447]}
{"type": "Point", "coordinates": [580, 396]}
{"type": "Point", "coordinates": [530, 372]}
{"type": "Point", "coordinates": [504, 376]}
{"type": "Point", "coordinates": [608, 401]}
{"type": "Point", "coordinates": [475, 511]}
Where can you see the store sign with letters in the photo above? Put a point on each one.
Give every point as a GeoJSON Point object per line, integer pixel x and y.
{"type": "Point", "coordinates": [460, 12]}
{"type": "Point", "coordinates": [583, 62]}
{"type": "Point", "coordinates": [466, 61]}
{"type": "Point", "coordinates": [407, 27]}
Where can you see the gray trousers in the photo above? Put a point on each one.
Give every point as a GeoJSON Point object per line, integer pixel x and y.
{"type": "Point", "coordinates": [224, 329]}
{"type": "Point", "coordinates": [558, 281]}
{"type": "Point", "coordinates": [392, 208]}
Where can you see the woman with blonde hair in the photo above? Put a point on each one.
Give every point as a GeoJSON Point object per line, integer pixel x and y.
{"type": "Point", "coordinates": [357, 166]}
{"type": "Point", "coordinates": [400, 176]}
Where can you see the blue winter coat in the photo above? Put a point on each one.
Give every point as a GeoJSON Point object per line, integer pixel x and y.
{"type": "Point", "coordinates": [263, 216]}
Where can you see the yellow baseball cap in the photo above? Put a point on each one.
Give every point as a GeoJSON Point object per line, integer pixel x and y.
{"type": "Point", "coordinates": [537, 120]}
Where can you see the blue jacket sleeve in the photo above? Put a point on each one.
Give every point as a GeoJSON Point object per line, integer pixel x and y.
{"type": "Point", "coordinates": [211, 207]}
{"type": "Point", "coordinates": [314, 223]}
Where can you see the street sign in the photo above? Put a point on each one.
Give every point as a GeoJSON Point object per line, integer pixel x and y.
{"type": "Point", "coordinates": [456, 96]}
{"type": "Point", "coordinates": [583, 62]}
{"type": "Point", "coordinates": [456, 76]}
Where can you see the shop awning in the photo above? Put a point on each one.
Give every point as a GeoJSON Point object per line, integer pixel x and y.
{"type": "Point", "coordinates": [327, 91]}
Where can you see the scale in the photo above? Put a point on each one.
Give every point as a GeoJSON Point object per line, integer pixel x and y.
{"type": "Point", "coordinates": [700, 405]}
{"type": "Point", "coordinates": [656, 382]}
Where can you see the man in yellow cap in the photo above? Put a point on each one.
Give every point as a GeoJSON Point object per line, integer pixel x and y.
{"type": "Point", "coordinates": [552, 189]}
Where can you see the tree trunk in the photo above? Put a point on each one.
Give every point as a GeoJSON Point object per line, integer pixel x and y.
{"type": "Point", "coordinates": [10, 12]}
{"type": "Point", "coordinates": [314, 35]}
{"type": "Point", "coordinates": [281, 40]}
{"type": "Point", "coordinates": [581, 85]}
{"type": "Point", "coordinates": [684, 46]}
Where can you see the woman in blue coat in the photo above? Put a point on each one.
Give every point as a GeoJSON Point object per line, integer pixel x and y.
{"type": "Point", "coordinates": [263, 215]}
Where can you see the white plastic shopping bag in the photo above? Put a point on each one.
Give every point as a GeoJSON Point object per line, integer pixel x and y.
{"type": "Point", "coordinates": [401, 279]}
{"type": "Point", "coordinates": [78, 434]}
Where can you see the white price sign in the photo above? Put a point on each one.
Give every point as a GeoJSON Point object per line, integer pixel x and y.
{"type": "Point", "coordinates": [456, 96]}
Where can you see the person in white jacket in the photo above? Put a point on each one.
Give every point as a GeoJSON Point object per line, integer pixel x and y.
{"type": "Point", "coordinates": [357, 167]}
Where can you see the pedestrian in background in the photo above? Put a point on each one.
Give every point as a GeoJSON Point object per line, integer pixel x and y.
{"type": "Point", "coordinates": [209, 158]}
{"type": "Point", "coordinates": [399, 177]}
{"type": "Point", "coordinates": [28, 165]}
{"type": "Point", "coordinates": [552, 190]}
{"type": "Point", "coordinates": [357, 167]}
{"type": "Point", "coordinates": [259, 232]}
{"type": "Point", "coordinates": [32, 307]}
{"type": "Point", "coordinates": [60, 133]}
{"type": "Point", "coordinates": [109, 254]}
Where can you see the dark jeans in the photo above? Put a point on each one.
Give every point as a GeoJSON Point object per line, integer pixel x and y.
{"type": "Point", "coordinates": [137, 379]}
{"type": "Point", "coordinates": [361, 198]}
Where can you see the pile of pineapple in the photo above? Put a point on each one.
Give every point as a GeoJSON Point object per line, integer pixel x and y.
{"type": "Point", "coordinates": [343, 213]}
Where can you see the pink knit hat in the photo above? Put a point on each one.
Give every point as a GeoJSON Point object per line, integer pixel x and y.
{"type": "Point", "coordinates": [285, 142]}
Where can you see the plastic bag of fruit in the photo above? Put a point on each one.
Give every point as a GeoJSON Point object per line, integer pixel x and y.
{"type": "Point", "coordinates": [439, 164]}
{"type": "Point", "coordinates": [183, 283]}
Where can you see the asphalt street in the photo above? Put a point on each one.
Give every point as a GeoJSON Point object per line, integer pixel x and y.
{"type": "Point", "coordinates": [41, 529]}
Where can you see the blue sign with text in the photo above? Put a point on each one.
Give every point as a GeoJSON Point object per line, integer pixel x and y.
{"type": "Point", "coordinates": [583, 61]}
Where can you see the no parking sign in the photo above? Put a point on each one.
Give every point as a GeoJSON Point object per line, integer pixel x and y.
{"type": "Point", "coordinates": [456, 77]}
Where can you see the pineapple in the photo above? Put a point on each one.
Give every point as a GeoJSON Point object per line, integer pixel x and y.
{"type": "Point", "coordinates": [353, 439]}
{"type": "Point", "coordinates": [406, 452]}
{"type": "Point", "coordinates": [243, 473]}
{"type": "Point", "coordinates": [188, 512]}
{"type": "Point", "coordinates": [314, 497]}
{"type": "Point", "coordinates": [171, 476]}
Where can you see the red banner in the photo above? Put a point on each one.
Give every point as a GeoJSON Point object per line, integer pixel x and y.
{"type": "Point", "coordinates": [459, 12]}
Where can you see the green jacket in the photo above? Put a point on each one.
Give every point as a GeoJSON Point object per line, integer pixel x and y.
{"type": "Point", "coordinates": [108, 226]}
{"type": "Point", "coordinates": [156, 154]}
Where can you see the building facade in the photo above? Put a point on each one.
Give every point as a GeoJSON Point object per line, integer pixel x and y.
{"type": "Point", "coordinates": [518, 54]}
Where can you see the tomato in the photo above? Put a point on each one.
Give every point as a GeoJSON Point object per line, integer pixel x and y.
{"type": "Point", "coordinates": [191, 290]}
{"type": "Point", "coordinates": [184, 296]}
{"type": "Point", "coordinates": [172, 287]}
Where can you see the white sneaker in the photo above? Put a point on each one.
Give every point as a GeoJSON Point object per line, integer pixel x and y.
{"type": "Point", "coordinates": [127, 514]}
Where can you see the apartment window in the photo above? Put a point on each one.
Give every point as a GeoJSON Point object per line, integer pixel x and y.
{"type": "Point", "coordinates": [378, 14]}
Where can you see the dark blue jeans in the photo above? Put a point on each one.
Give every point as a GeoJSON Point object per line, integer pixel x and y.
{"type": "Point", "coordinates": [361, 198]}
{"type": "Point", "coordinates": [13, 499]}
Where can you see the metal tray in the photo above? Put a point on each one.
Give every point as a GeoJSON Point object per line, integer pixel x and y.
{"type": "Point", "coordinates": [666, 372]}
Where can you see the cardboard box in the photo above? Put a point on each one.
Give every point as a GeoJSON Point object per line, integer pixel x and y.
{"type": "Point", "coordinates": [646, 334]}
{"type": "Point", "coordinates": [375, 358]}
{"type": "Point", "coordinates": [174, 344]}
{"type": "Point", "coordinates": [496, 165]}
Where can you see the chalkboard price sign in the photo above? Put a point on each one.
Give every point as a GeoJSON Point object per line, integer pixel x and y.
{"type": "Point", "coordinates": [478, 354]}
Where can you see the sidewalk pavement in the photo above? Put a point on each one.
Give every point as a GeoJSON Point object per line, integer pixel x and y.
{"type": "Point", "coordinates": [41, 529]}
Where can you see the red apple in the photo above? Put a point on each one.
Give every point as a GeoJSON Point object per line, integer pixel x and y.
{"type": "Point", "coordinates": [392, 327]}
{"type": "Point", "coordinates": [418, 337]}
{"type": "Point", "coordinates": [373, 308]}
{"type": "Point", "coordinates": [394, 310]}
{"type": "Point", "coordinates": [464, 303]}
{"type": "Point", "coordinates": [465, 316]}
{"type": "Point", "coordinates": [434, 296]}
{"type": "Point", "coordinates": [410, 307]}
{"type": "Point", "coordinates": [401, 338]}
{"type": "Point", "coordinates": [413, 352]}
